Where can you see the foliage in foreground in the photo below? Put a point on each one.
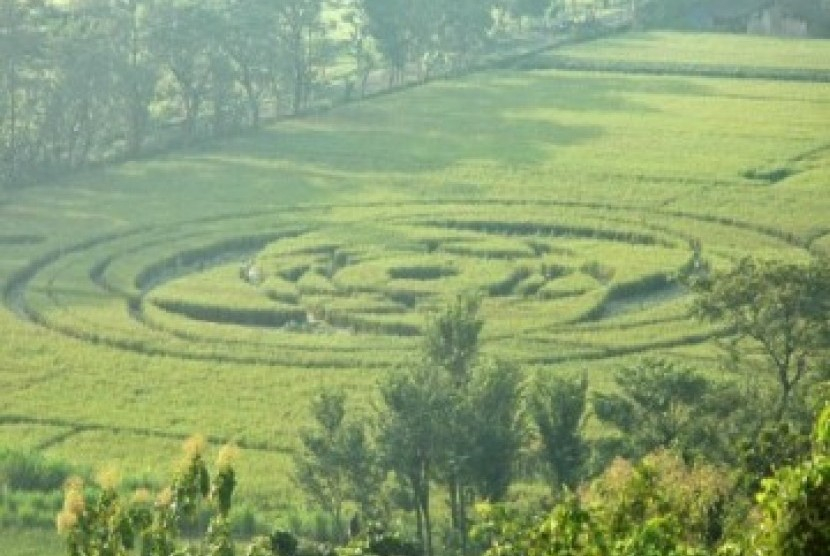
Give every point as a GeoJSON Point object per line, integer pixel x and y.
{"type": "Point", "coordinates": [105, 524]}
{"type": "Point", "coordinates": [659, 506]}
{"type": "Point", "coordinates": [665, 507]}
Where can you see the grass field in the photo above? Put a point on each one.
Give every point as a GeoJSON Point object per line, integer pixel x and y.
{"type": "Point", "coordinates": [567, 198]}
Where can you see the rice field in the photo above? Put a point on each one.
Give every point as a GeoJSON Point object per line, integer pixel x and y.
{"type": "Point", "coordinates": [216, 289]}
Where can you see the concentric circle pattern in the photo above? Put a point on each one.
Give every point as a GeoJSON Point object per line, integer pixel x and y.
{"type": "Point", "coordinates": [349, 286]}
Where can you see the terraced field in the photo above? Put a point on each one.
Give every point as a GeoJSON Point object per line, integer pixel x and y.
{"type": "Point", "coordinates": [214, 290]}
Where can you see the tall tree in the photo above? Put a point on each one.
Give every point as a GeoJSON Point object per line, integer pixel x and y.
{"type": "Point", "coordinates": [23, 50]}
{"type": "Point", "coordinates": [494, 427]}
{"type": "Point", "coordinates": [388, 21]}
{"type": "Point", "coordinates": [136, 75]}
{"type": "Point", "coordinates": [359, 46]}
{"type": "Point", "coordinates": [782, 309]}
{"type": "Point", "coordinates": [249, 41]}
{"type": "Point", "coordinates": [81, 115]}
{"type": "Point", "coordinates": [413, 434]}
{"type": "Point", "coordinates": [557, 408]}
{"type": "Point", "coordinates": [451, 338]}
{"type": "Point", "coordinates": [297, 20]}
{"type": "Point", "coordinates": [657, 404]}
{"type": "Point", "coordinates": [182, 40]}
{"type": "Point", "coordinates": [816, 13]}
{"type": "Point", "coordinates": [451, 344]}
{"type": "Point", "coordinates": [337, 463]}
{"type": "Point", "coordinates": [465, 28]}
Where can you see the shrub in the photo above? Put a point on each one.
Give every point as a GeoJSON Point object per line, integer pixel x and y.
{"type": "Point", "coordinates": [31, 472]}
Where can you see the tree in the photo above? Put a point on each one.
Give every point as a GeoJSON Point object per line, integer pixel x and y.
{"type": "Point", "coordinates": [658, 404]}
{"type": "Point", "coordinates": [465, 27]}
{"type": "Point", "coordinates": [296, 22]}
{"type": "Point", "coordinates": [816, 13]}
{"type": "Point", "coordinates": [82, 105]}
{"type": "Point", "coordinates": [182, 40]}
{"type": "Point", "coordinates": [413, 434]}
{"type": "Point", "coordinates": [530, 8]}
{"type": "Point", "coordinates": [452, 419]}
{"type": "Point", "coordinates": [359, 48]}
{"type": "Point", "coordinates": [451, 338]}
{"type": "Point", "coordinates": [495, 430]}
{"type": "Point", "coordinates": [337, 463]}
{"type": "Point", "coordinates": [136, 75]}
{"type": "Point", "coordinates": [783, 309]}
{"type": "Point", "coordinates": [249, 42]}
{"type": "Point", "coordinates": [795, 503]}
{"type": "Point", "coordinates": [23, 51]}
{"type": "Point", "coordinates": [451, 345]}
{"type": "Point", "coordinates": [557, 408]}
{"type": "Point", "coordinates": [388, 22]}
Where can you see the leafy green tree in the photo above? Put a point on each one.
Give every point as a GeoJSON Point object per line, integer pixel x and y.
{"type": "Point", "coordinates": [388, 23]}
{"type": "Point", "coordinates": [135, 73]}
{"type": "Point", "coordinates": [557, 408]}
{"type": "Point", "coordinates": [464, 28]}
{"type": "Point", "coordinates": [451, 345]}
{"type": "Point", "coordinates": [452, 419]}
{"type": "Point", "coordinates": [451, 338]}
{"type": "Point", "coordinates": [296, 22]}
{"type": "Point", "coordinates": [337, 463]}
{"type": "Point", "coordinates": [568, 530]}
{"type": "Point", "coordinates": [413, 434]}
{"type": "Point", "coordinates": [182, 40]}
{"type": "Point", "coordinates": [249, 41]}
{"type": "Point", "coordinates": [659, 507]}
{"type": "Point", "coordinates": [774, 446]}
{"type": "Point", "coordinates": [494, 427]}
{"type": "Point", "coordinates": [816, 13]}
{"type": "Point", "coordinates": [658, 404]}
{"type": "Point", "coordinates": [795, 503]}
{"type": "Point", "coordinates": [360, 47]}
{"type": "Point", "coordinates": [23, 51]}
{"type": "Point", "coordinates": [482, 434]}
{"type": "Point", "coordinates": [782, 309]}
{"type": "Point", "coordinates": [82, 102]}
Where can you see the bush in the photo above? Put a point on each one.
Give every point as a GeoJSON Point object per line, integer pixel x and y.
{"type": "Point", "coordinates": [31, 472]}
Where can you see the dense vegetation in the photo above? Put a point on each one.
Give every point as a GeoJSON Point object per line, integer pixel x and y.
{"type": "Point", "coordinates": [94, 80]}
{"type": "Point", "coordinates": [661, 506]}
{"type": "Point", "coordinates": [452, 423]}
{"type": "Point", "coordinates": [294, 288]}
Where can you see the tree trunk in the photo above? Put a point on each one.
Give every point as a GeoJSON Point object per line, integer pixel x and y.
{"type": "Point", "coordinates": [12, 122]}
{"type": "Point", "coordinates": [462, 520]}
{"type": "Point", "coordinates": [253, 101]}
{"type": "Point", "coordinates": [419, 523]}
{"type": "Point", "coordinates": [427, 519]}
{"type": "Point", "coordinates": [136, 132]}
{"type": "Point", "coordinates": [452, 486]}
{"type": "Point", "coordinates": [422, 499]}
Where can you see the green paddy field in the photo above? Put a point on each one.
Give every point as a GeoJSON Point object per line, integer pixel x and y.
{"type": "Point", "coordinates": [215, 290]}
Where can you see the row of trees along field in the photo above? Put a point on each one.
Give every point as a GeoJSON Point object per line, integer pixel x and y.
{"type": "Point", "coordinates": [96, 80]}
{"type": "Point", "coordinates": [689, 465]}
{"type": "Point", "coordinates": [93, 80]}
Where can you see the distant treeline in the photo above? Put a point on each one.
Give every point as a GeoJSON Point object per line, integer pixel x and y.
{"type": "Point", "coordinates": [100, 80]}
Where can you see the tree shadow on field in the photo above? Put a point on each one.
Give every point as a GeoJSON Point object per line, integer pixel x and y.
{"type": "Point", "coordinates": [505, 117]}
{"type": "Point", "coordinates": [603, 93]}
{"type": "Point", "coordinates": [193, 184]}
